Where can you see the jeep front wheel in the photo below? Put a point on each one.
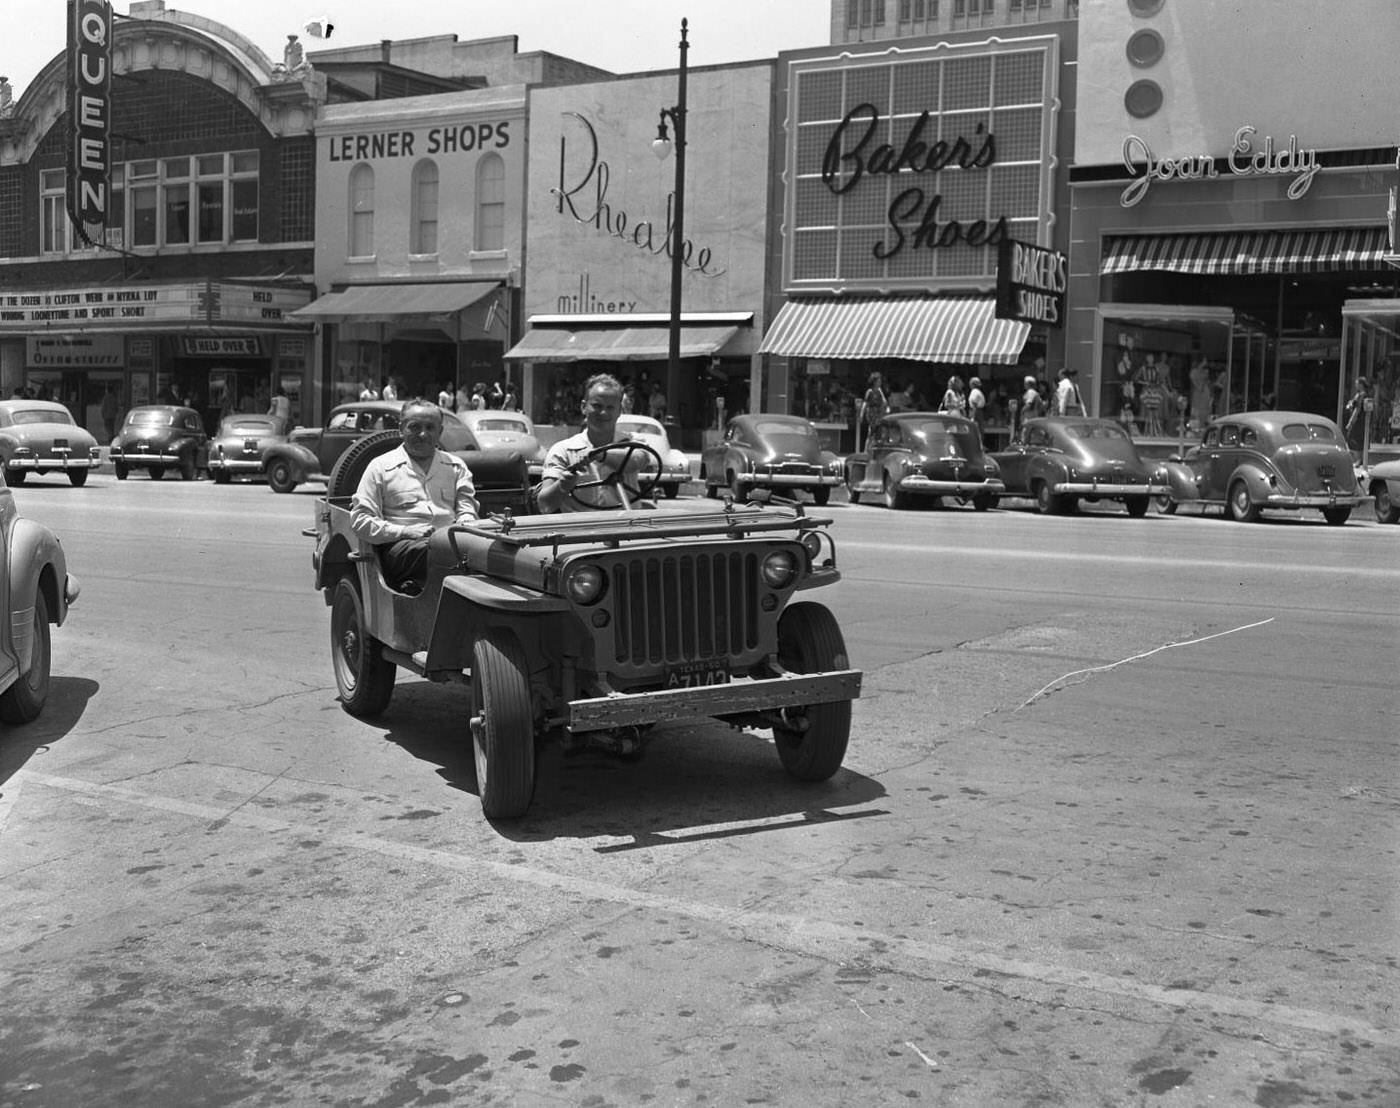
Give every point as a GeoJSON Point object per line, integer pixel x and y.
{"type": "Point", "coordinates": [364, 679]}
{"type": "Point", "coordinates": [810, 641]}
{"type": "Point", "coordinates": [502, 726]}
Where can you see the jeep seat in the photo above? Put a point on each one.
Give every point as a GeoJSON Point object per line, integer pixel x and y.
{"type": "Point", "coordinates": [502, 479]}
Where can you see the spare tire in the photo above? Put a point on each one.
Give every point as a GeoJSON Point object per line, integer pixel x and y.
{"type": "Point", "coordinates": [345, 475]}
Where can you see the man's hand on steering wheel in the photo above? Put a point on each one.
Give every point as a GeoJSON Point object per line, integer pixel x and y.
{"type": "Point", "coordinates": [646, 480]}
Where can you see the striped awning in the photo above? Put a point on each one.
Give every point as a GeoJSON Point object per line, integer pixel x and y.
{"type": "Point", "coordinates": [616, 344]}
{"type": "Point", "coordinates": [1242, 252]}
{"type": "Point", "coordinates": [962, 330]}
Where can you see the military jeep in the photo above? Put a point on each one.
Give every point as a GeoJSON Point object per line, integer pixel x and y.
{"type": "Point", "coordinates": [593, 626]}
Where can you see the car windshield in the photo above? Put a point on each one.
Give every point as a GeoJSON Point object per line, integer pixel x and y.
{"type": "Point", "coordinates": [637, 427]}
{"type": "Point", "coordinates": [41, 415]}
{"type": "Point", "coordinates": [247, 426]}
{"type": "Point", "coordinates": [1304, 432]}
{"type": "Point", "coordinates": [149, 419]}
{"type": "Point", "coordinates": [1096, 431]}
{"type": "Point", "coordinates": [779, 429]}
{"type": "Point", "coordinates": [497, 424]}
{"type": "Point", "coordinates": [924, 428]}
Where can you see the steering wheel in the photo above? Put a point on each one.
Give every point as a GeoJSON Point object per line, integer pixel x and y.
{"type": "Point", "coordinates": [646, 482]}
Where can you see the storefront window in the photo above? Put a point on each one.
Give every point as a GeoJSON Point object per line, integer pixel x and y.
{"type": "Point", "coordinates": [1166, 370]}
{"type": "Point", "coordinates": [1369, 408]}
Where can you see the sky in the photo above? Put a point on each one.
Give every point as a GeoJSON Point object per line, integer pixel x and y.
{"type": "Point", "coordinates": [621, 35]}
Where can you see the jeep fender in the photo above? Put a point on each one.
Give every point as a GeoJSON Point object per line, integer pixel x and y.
{"type": "Point", "coordinates": [303, 462]}
{"type": "Point", "coordinates": [1181, 481]}
{"type": "Point", "coordinates": [470, 604]}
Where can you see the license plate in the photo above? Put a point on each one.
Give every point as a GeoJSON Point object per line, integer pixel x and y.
{"type": "Point", "coordinates": [695, 675]}
{"type": "Point", "coordinates": [1327, 472]}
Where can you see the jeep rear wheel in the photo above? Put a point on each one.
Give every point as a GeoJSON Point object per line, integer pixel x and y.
{"type": "Point", "coordinates": [364, 679]}
{"type": "Point", "coordinates": [502, 726]}
{"type": "Point", "coordinates": [24, 700]}
{"type": "Point", "coordinates": [810, 641]}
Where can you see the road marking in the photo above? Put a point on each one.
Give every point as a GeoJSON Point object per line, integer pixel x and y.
{"type": "Point", "coordinates": [814, 937]}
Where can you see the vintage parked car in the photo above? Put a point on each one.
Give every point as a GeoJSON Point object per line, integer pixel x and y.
{"type": "Point", "coordinates": [37, 590]}
{"type": "Point", "coordinates": [1060, 460]}
{"type": "Point", "coordinates": [592, 627]}
{"type": "Point", "coordinates": [777, 452]}
{"type": "Point", "coordinates": [39, 435]}
{"type": "Point", "coordinates": [675, 466]}
{"type": "Point", "coordinates": [1383, 482]}
{"type": "Point", "coordinates": [157, 437]}
{"type": "Point", "coordinates": [310, 453]}
{"type": "Point", "coordinates": [927, 455]}
{"type": "Point", "coordinates": [238, 449]}
{"type": "Point", "coordinates": [1259, 460]}
{"type": "Point", "coordinates": [493, 427]}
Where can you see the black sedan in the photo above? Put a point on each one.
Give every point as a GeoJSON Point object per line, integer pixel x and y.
{"type": "Point", "coordinates": [157, 437]}
{"type": "Point", "coordinates": [781, 453]}
{"type": "Point", "coordinates": [1061, 460]}
{"type": "Point", "coordinates": [924, 455]}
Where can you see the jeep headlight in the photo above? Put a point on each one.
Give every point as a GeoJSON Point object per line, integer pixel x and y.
{"type": "Point", "coordinates": [779, 568]}
{"type": "Point", "coordinates": [584, 584]}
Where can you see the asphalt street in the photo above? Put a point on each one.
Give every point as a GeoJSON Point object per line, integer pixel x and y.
{"type": "Point", "coordinates": [1117, 826]}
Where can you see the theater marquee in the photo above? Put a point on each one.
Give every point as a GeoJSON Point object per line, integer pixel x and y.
{"type": "Point", "coordinates": [906, 170]}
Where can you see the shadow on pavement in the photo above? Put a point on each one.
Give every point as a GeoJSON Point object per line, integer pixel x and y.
{"type": "Point", "coordinates": [694, 774]}
{"type": "Point", "coordinates": [68, 699]}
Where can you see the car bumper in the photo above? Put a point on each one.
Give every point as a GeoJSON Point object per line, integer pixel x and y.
{"type": "Point", "coordinates": [917, 482]}
{"type": "Point", "coordinates": [60, 462]}
{"type": "Point", "coordinates": [236, 465]}
{"type": "Point", "coordinates": [739, 696]}
{"type": "Point", "coordinates": [147, 459]}
{"type": "Point", "coordinates": [790, 480]}
{"type": "Point", "coordinates": [1315, 500]}
{"type": "Point", "coordinates": [1103, 488]}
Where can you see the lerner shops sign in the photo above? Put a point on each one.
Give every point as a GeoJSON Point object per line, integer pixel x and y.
{"type": "Point", "coordinates": [907, 168]}
{"type": "Point", "coordinates": [1248, 157]}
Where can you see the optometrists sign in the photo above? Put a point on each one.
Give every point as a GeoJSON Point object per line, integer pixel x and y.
{"type": "Point", "coordinates": [89, 177]}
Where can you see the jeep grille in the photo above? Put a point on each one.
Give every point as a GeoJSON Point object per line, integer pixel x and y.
{"type": "Point", "coordinates": [682, 607]}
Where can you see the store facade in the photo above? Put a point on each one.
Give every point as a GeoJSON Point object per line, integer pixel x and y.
{"type": "Point", "coordinates": [598, 264]}
{"type": "Point", "coordinates": [904, 170]}
{"type": "Point", "coordinates": [187, 286]}
{"type": "Point", "coordinates": [419, 217]}
{"type": "Point", "coordinates": [1229, 220]}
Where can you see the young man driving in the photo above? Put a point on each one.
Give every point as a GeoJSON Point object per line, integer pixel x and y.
{"type": "Point", "coordinates": [602, 404]}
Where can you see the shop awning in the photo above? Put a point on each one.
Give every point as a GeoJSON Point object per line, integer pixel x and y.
{"type": "Point", "coordinates": [616, 344]}
{"type": "Point", "coordinates": [962, 330]}
{"type": "Point", "coordinates": [1244, 252]}
{"type": "Point", "coordinates": [394, 303]}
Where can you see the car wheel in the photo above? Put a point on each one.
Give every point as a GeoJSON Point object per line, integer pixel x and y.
{"type": "Point", "coordinates": [1166, 505]}
{"type": "Point", "coordinates": [502, 727]}
{"type": "Point", "coordinates": [121, 469]}
{"type": "Point", "coordinates": [221, 476]}
{"type": "Point", "coordinates": [895, 500]}
{"type": "Point", "coordinates": [810, 641]}
{"type": "Point", "coordinates": [1336, 516]}
{"type": "Point", "coordinates": [363, 678]}
{"type": "Point", "coordinates": [1137, 506]}
{"type": "Point", "coordinates": [24, 700]}
{"type": "Point", "coordinates": [1387, 511]}
{"type": "Point", "coordinates": [1046, 502]}
{"type": "Point", "coordinates": [737, 489]}
{"type": "Point", "coordinates": [279, 475]}
{"type": "Point", "coordinates": [672, 490]}
{"type": "Point", "coordinates": [156, 472]}
{"type": "Point", "coordinates": [1242, 507]}
{"type": "Point", "coordinates": [15, 477]}
{"type": "Point", "coordinates": [188, 469]}
{"type": "Point", "coordinates": [77, 477]}
{"type": "Point", "coordinates": [821, 496]}
{"type": "Point", "coordinates": [983, 500]}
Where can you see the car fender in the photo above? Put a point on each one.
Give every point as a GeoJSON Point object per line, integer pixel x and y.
{"type": "Point", "coordinates": [1257, 479]}
{"type": "Point", "coordinates": [7, 447]}
{"type": "Point", "coordinates": [1047, 468]}
{"type": "Point", "coordinates": [1181, 480]}
{"type": "Point", "coordinates": [36, 560]}
{"type": "Point", "coordinates": [303, 461]}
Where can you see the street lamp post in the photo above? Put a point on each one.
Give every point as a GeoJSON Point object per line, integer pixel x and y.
{"type": "Point", "coordinates": [662, 147]}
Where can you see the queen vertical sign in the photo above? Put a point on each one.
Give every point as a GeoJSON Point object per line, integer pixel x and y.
{"type": "Point", "coordinates": [90, 114]}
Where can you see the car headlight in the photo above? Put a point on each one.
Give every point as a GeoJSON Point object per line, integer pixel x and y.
{"type": "Point", "coordinates": [779, 568]}
{"type": "Point", "coordinates": [584, 584]}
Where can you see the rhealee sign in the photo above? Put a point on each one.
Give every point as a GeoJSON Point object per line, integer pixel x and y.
{"type": "Point", "coordinates": [1031, 283]}
{"type": "Point", "coordinates": [89, 114]}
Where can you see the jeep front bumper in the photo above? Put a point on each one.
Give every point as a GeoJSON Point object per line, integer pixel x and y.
{"type": "Point", "coordinates": [744, 694]}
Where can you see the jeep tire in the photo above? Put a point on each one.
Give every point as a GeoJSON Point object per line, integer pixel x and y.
{"type": "Point", "coordinates": [363, 678]}
{"type": "Point", "coordinates": [502, 725]}
{"type": "Point", "coordinates": [345, 475]}
{"type": "Point", "coordinates": [810, 641]}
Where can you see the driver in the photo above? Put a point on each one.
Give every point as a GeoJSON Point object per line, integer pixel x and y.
{"type": "Point", "coordinates": [602, 404]}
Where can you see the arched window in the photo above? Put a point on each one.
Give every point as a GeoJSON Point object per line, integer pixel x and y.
{"type": "Point", "coordinates": [361, 211]}
{"type": "Point", "coordinates": [423, 216]}
{"type": "Point", "coordinates": [490, 203]}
